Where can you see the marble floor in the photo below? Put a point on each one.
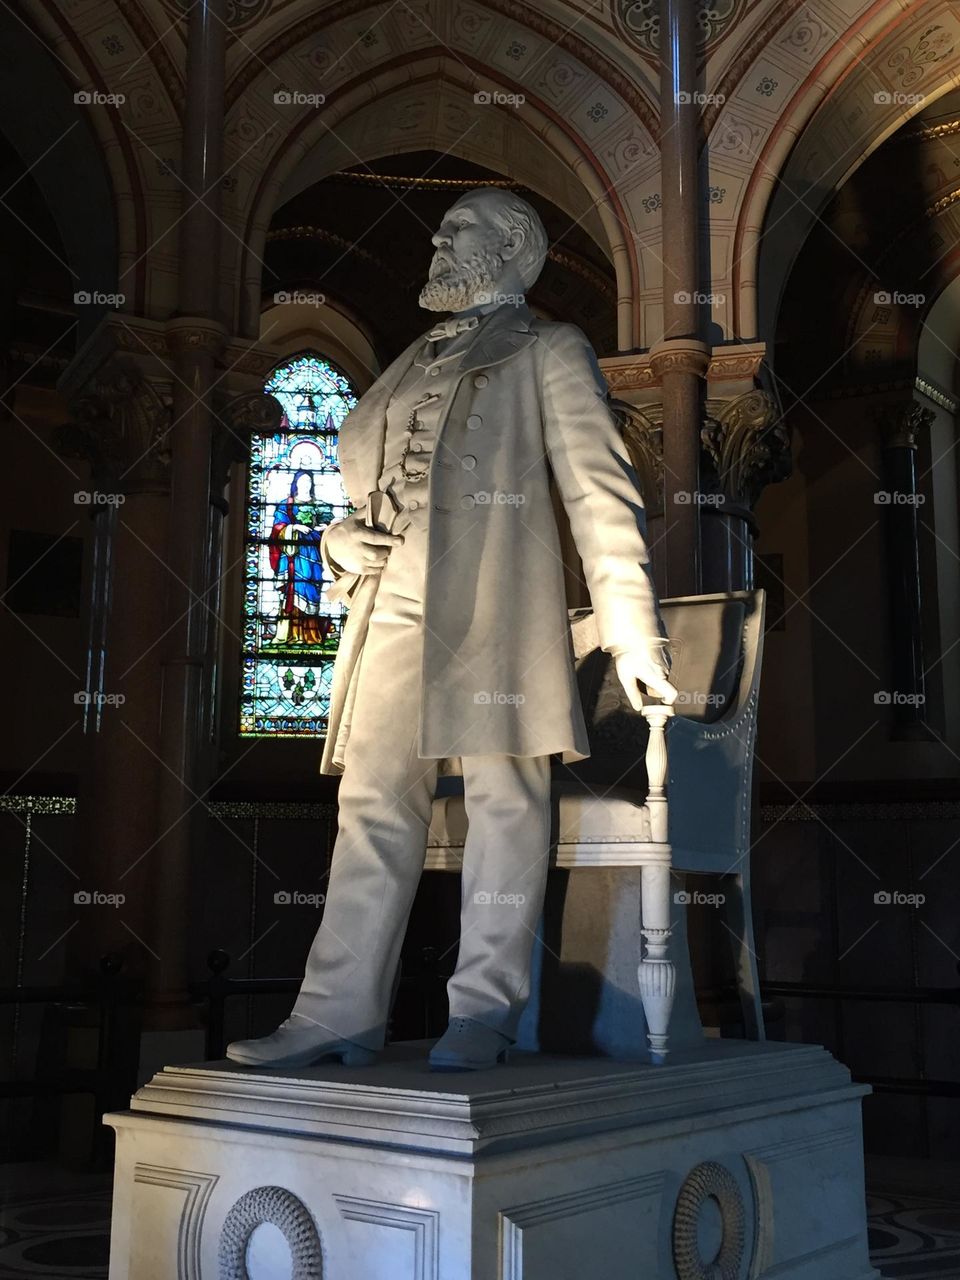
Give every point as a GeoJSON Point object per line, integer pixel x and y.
{"type": "Point", "coordinates": [914, 1209]}
{"type": "Point", "coordinates": [55, 1224]}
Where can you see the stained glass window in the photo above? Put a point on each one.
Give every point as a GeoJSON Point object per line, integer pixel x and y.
{"type": "Point", "coordinates": [290, 629]}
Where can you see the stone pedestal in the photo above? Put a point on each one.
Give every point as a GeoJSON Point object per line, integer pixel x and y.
{"type": "Point", "coordinates": [736, 1160]}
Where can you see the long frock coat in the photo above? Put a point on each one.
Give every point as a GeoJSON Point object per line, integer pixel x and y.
{"type": "Point", "coordinates": [498, 670]}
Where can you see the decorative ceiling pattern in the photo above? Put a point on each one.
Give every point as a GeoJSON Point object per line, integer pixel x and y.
{"type": "Point", "coordinates": [433, 21]}
{"type": "Point", "coordinates": [637, 22]}
{"type": "Point", "coordinates": [241, 14]}
{"type": "Point", "coordinates": [798, 92]}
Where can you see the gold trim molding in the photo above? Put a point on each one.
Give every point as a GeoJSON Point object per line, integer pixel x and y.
{"type": "Point", "coordinates": [641, 372]}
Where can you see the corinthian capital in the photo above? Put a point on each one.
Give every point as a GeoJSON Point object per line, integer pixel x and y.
{"type": "Point", "coordinates": [643, 437]}
{"type": "Point", "coordinates": [901, 423]}
{"type": "Point", "coordinates": [254, 413]}
{"type": "Point", "coordinates": [119, 423]}
{"type": "Point", "coordinates": [237, 419]}
{"type": "Point", "coordinates": [746, 446]}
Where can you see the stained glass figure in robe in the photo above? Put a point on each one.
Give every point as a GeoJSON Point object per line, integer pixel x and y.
{"type": "Point", "coordinates": [291, 629]}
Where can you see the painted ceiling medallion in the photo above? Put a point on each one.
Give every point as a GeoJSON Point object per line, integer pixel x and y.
{"type": "Point", "coordinates": [240, 13]}
{"type": "Point", "coordinates": [638, 22]}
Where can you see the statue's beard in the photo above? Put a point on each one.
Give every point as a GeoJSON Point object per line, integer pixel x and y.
{"type": "Point", "coordinates": [461, 284]}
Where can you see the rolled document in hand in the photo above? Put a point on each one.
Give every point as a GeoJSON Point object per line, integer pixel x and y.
{"type": "Point", "coordinates": [384, 512]}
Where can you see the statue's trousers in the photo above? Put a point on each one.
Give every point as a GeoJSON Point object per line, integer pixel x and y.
{"type": "Point", "coordinates": [386, 796]}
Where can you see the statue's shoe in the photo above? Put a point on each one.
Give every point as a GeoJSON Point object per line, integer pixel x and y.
{"type": "Point", "coordinates": [298, 1042]}
{"type": "Point", "coordinates": [467, 1045]}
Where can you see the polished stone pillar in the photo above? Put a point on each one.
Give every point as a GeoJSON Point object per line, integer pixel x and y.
{"type": "Point", "coordinates": [118, 424]}
{"type": "Point", "coordinates": [680, 359]}
{"type": "Point", "coordinates": [900, 425]}
{"type": "Point", "coordinates": [680, 367]}
{"type": "Point", "coordinates": [196, 339]}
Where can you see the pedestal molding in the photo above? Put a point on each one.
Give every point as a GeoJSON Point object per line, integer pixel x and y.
{"type": "Point", "coordinates": [517, 1219]}
{"type": "Point", "coordinates": [546, 1166]}
{"type": "Point", "coordinates": [423, 1223]}
{"type": "Point", "coordinates": [199, 1188]}
{"type": "Point", "coordinates": [500, 1112]}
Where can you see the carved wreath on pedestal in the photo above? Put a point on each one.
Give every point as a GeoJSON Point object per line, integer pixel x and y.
{"type": "Point", "coordinates": [281, 1209]}
{"type": "Point", "coordinates": [708, 1181]}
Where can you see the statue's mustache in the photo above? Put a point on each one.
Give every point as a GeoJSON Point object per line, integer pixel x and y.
{"type": "Point", "coordinates": [442, 263]}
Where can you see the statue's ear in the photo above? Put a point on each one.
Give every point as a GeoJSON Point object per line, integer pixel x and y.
{"type": "Point", "coordinates": [512, 245]}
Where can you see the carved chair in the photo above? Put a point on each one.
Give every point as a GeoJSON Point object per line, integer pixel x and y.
{"type": "Point", "coordinates": [662, 799]}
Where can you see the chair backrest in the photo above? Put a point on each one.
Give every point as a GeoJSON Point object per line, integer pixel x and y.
{"type": "Point", "coordinates": [709, 649]}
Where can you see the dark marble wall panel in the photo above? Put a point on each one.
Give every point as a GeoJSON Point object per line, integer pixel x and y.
{"type": "Point", "coordinates": [865, 896]}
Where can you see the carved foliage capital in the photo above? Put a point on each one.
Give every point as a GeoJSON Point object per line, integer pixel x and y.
{"type": "Point", "coordinates": [237, 419]}
{"type": "Point", "coordinates": [253, 413]}
{"type": "Point", "coordinates": [747, 446]}
{"type": "Point", "coordinates": [902, 422]}
{"type": "Point", "coordinates": [120, 424]}
{"type": "Point", "coordinates": [644, 440]}
{"type": "Point", "coordinates": [187, 333]}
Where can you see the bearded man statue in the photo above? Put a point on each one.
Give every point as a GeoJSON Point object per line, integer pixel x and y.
{"type": "Point", "coordinates": [457, 643]}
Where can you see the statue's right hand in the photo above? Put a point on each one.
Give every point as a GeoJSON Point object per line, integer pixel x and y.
{"type": "Point", "coordinates": [357, 548]}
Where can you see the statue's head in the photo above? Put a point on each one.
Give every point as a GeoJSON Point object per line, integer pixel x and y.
{"type": "Point", "coordinates": [490, 242]}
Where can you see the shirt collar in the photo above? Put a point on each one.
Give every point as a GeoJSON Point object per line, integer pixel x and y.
{"type": "Point", "coordinates": [469, 321]}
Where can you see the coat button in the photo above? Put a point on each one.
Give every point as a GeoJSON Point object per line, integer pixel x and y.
{"type": "Point", "coordinates": [413, 504]}
{"type": "Point", "coordinates": [434, 371]}
{"type": "Point", "coordinates": [474, 421]}
{"type": "Point", "coordinates": [467, 501]}
{"type": "Point", "coordinates": [481, 380]}
{"type": "Point", "coordinates": [417, 447]}
{"type": "Point", "coordinates": [468, 462]}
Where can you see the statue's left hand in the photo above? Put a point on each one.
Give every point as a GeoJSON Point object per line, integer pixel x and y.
{"type": "Point", "coordinates": [649, 666]}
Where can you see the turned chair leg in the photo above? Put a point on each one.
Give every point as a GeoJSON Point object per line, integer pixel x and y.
{"type": "Point", "coordinates": [657, 974]}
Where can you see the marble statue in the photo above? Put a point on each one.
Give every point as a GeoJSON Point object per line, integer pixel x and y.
{"type": "Point", "coordinates": [457, 640]}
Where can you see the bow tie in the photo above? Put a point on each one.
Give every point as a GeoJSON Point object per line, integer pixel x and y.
{"type": "Point", "coordinates": [450, 328]}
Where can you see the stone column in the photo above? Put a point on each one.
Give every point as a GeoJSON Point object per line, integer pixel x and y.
{"type": "Point", "coordinates": [196, 339]}
{"type": "Point", "coordinates": [119, 420]}
{"type": "Point", "coordinates": [680, 366]}
{"type": "Point", "coordinates": [680, 360]}
{"type": "Point", "coordinates": [900, 426]}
